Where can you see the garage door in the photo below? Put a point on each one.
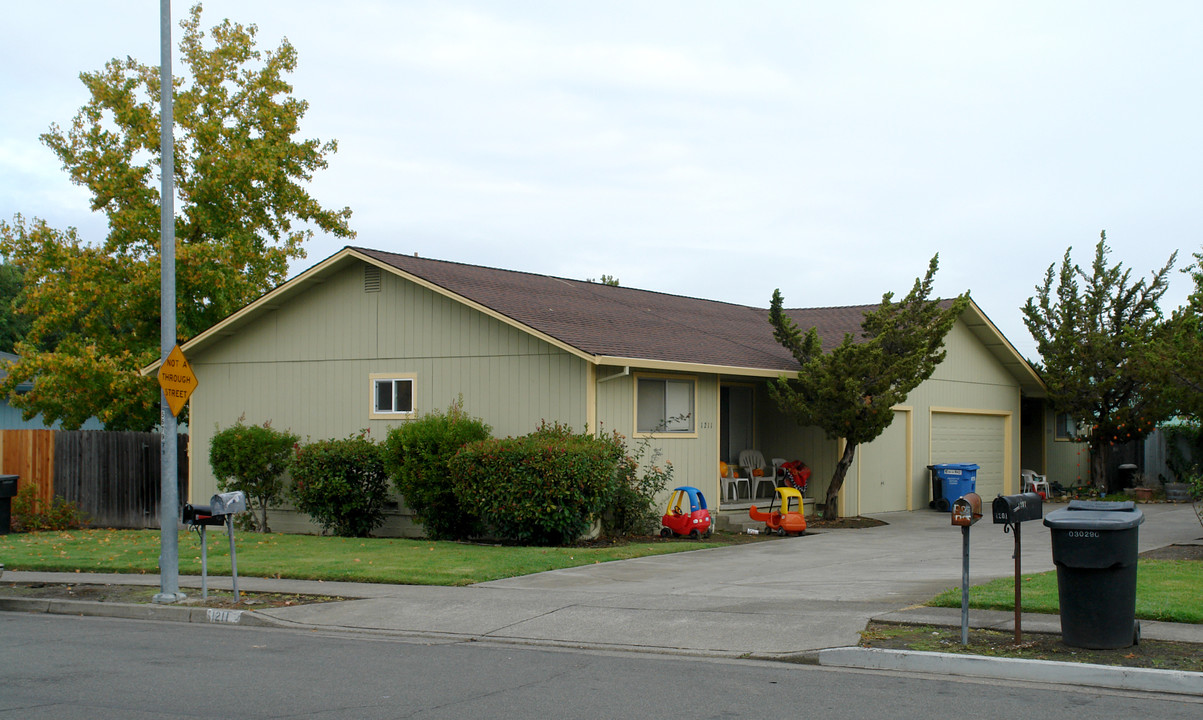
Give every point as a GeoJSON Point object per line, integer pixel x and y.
{"type": "Point", "coordinates": [971, 438]}
{"type": "Point", "coordinates": [882, 468]}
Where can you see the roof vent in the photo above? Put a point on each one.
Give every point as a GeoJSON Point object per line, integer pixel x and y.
{"type": "Point", "coordinates": [371, 279]}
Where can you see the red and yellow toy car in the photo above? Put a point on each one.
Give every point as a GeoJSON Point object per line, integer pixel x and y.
{"type": "Point", "coordinates": [789, 519]}
{"type": "Point", "coordinates": [686, 514]}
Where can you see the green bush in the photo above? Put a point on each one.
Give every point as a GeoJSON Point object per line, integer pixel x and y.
{"type": "Point", "coordinates": [253, 459]}
{"type": "Point", "coordinates": [29, 513]}
{"type": "Point", "coordinates": [417, 456]}
{"type": "Point", "coordinates": [341, 484]}
{"type": "Point", "coordinates": [632, 509]}
{"type": "Point", "coordinates": [545, 488]}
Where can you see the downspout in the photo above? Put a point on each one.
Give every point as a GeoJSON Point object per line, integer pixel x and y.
{"type": "Point", "coordinates": [625, 372]}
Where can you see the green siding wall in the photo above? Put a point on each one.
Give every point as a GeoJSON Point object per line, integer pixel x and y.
{"type": "Point", "coordinates": [305, 366]}
{"type": "Point", "coordinates": [694, 459]}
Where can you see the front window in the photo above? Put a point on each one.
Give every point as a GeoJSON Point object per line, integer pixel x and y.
{"type": "Point", "coordinates": [664, 406]}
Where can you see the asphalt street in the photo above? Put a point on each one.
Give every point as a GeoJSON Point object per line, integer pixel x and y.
{"type": "Point", "coordinates": [67, 668]}
{"type": "Point", "coordinates": [785, 599]}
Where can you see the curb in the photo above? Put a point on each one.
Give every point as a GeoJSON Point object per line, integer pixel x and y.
{"type": "Point", "coordinates": [137, 611]}
{"type": "Point", "coordinates": [1046, 671]}
{"type": "Point", "coordinates": [248, 618]}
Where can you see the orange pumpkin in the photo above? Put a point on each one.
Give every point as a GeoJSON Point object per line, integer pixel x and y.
{"type": "Point", "coordinates": [722, 469]}
{"type": "Point", "coordinates": [757, 472]}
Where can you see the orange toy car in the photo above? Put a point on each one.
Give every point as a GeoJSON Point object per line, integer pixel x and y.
{"type": "Point", "coordinates": [787, 520]}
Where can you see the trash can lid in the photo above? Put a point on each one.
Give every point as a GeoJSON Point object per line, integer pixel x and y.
{"type": "Point", "coordinates": [954, 466]}
{"type": "Point", "coordinates": [1102, 505]}
{"type": "Point", "coordinates": [1095, 515]}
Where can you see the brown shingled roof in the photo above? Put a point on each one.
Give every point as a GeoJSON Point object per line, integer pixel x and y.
{"type": "Point", "coordinates": [621, 322]}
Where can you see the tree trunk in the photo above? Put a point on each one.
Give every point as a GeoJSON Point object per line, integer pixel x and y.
{"type": "Point", "coordinates": [831, 504]}
{"type": "Point", "coordinates": [1098, 465]}
{"type": "Point", "coordinates": [263, 516]}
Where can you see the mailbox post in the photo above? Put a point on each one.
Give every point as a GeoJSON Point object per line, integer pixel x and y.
{"type": "Point", "coordinates": [966, 510]}
{"type": "Point", "coordinates": [221, 510]}
{"type": "Point", "coordinates": [1011, 511]}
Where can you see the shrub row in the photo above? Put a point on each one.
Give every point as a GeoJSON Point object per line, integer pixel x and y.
{"type": "Point", "coordinates": [544, 488]}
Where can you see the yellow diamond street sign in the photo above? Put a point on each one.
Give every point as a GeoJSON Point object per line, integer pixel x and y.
{"type": "Point", "coordinates": [177, 380]}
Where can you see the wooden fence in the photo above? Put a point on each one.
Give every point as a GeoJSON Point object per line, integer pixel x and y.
{"type": "Point", "coordinates": [113, 476]}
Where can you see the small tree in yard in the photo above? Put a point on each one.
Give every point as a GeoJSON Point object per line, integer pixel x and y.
{"type": "Point", "coordinates": [243, 214]}
{"type": "Point", "coordinates": [1177, 353]}
{"type": "Point", "coordinates": [850, 391]}
{"type": "Point", "coordinates": [341, 484]}
{"type": "Point", "coordinates": [253, 459]}
{"type": "Point", "coordinates": [1095, 345]}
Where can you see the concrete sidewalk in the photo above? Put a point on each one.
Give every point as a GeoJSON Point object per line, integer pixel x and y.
{"type": "Point", "coordinates": [773, 600]}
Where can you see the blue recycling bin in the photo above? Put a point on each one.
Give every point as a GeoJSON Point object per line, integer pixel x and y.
{"type": "Point", "coordinates": [950, 482]}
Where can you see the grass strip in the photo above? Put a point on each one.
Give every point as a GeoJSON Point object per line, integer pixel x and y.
{"type": "Point", "coordinates": [1168, 590]}
{"type": "Point", "coordinates": [309, 557]}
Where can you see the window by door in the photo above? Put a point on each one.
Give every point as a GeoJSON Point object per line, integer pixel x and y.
{"type": "Point", "coordinates": [664, 405]}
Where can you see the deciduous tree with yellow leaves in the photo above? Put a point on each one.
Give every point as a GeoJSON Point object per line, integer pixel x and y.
{"type": "Point", "coordinates": [242, 213]}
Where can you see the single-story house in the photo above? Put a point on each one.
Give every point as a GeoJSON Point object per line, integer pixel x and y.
{"type": "Point", "coordinates": [369, 339]}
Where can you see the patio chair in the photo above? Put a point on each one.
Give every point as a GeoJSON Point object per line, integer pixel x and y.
{"type": "Point", "coordinates": [731, 483]}
{"type": "Point", "coordinates": [1031, 482]}
{"type": "Point", "coordinates": [753, 460]}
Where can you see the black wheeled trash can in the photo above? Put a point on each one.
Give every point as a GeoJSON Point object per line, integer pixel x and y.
{"type": "Point", "coordinates": [8, 491]}
{"type": "Point", "coordinates": [1095, 549]}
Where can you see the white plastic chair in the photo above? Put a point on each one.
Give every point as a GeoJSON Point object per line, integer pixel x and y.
{"type": "Point", "coordinates": [753, 460]}
{"type": "Point", "coordinates": [731, 483]}
{"type": "Point", "coordinates": [1033, 482]}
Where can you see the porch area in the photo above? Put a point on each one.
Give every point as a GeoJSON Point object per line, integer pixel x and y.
{"type": "Point", "coordinates": [733, 514]}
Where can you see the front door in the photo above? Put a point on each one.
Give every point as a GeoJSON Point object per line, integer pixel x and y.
{"type": "Point", "coordinates": [735, 421]}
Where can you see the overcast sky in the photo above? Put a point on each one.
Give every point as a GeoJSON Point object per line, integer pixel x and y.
{"type": "Point", "coordinates": [709, 149]}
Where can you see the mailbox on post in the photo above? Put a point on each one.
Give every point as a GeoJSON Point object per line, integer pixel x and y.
{"type": "Point", "coordinates": [1012, 511]}
{"type": "Point", "coordinates": [201, 515]}
{"type": "Point", "coordinates": [228, 503]}
{"type": "Point", "coordinates": [221, 510]}
{"type": "Point", "coordinates": [967, 510]}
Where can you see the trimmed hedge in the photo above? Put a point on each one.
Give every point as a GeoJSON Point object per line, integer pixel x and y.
{"type": "Point", "coordinates": [545, 488]}
{"type": "Point", "coordinates": [417, 456]}
{"type": "Point", "coordinates": [341, 484]}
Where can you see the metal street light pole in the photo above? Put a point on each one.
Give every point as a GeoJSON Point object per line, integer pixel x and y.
{"type": "Point", "coordinates": [169, 551]}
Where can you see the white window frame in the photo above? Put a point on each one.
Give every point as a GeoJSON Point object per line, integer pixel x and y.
{"type": "Point", "coordinates": [375, 379]}
{"type": "Point", "coordinates": [688, 427]}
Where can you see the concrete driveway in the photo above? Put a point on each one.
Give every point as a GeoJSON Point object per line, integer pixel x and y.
{"type": "Point", "coordinates": [768, 598]}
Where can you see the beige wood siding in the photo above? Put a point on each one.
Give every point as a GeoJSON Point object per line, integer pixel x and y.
{"type": "Point", "coordinates": [878, 476]}
{"type": "Point", "coordinates": [306, 366]}
{"type": "Point", "coordinates": [1066, 461]}
{"type": "Point", "coordinates": [694, 456]}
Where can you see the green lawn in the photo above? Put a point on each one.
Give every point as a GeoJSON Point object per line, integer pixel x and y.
{"type": "Point", "coordinates": [1170, 590]}
{"type": "Point", "coordinates": [309, 557]}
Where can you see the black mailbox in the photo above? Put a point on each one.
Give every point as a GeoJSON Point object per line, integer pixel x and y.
{"type": "Point", "coordinates": [201, 515]}
{"type": "Point", "coordinates": [1011, 509]}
